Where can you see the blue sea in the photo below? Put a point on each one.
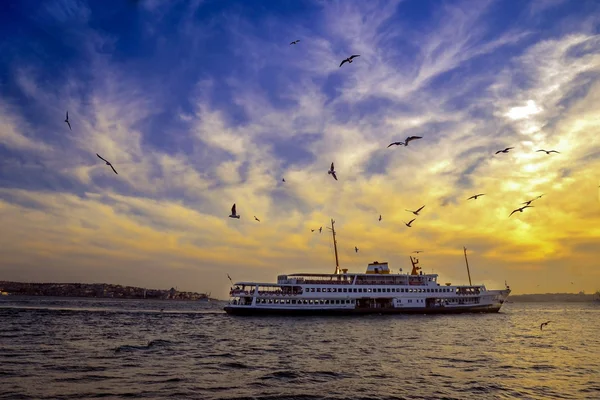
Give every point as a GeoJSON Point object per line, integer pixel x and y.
{"type": "Point", "coordinates": [65, 348]}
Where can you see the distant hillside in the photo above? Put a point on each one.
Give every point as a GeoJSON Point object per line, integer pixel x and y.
{"type": "Point", "coordinates": [553, 297]}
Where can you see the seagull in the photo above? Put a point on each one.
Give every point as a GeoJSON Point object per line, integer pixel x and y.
{"type": "Point", "coordinates": [416, 212]}
{"type": "Point", "coordinates": [505, 150]}
{"type": "Point", "coordinates": [520, 209]}
{"type": "Point", "coordinates": [295, 42]}
{"type": "Point", "coordinates": [233, 213]}
{"type": "Point", "coordinates": [380, 217]}
{"type": "Point", "coordinates": [410, 222]}
{"type": "Point", "coordinates": [67, 121]}
{"type": "Point", "coordinates": [476, 196]}
{"type": "Point", "coordinates": [332, 172]}
{"type": "Point", "coordinates": [396, 144]}
{"type": "Point", "coordinates": [107, 163]}
{"type": "Point", "coordinates": [312, 230]}
{"type": "Point", "coordinates": [320, 229]}
{"type": "Point", "coordinates": [355, 249]}
{"type": "Point", "coordinates": [256, 218]}
{"type": "Point", "coordinates": [544, 324]}
{"type": "Point", "coordinates": [283, 180]}
{"type": "Point", "coordinates": [349, 59]}
{"type": "Point", "coordinates": [418, 251]}
{"type": "Point", "coordinates": [408, 139]}
{"type": "Point", "coordinates": [548, 151]}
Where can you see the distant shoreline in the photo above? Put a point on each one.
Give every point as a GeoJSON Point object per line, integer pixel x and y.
{"type": "Point", "coordinates": [553, 298]}
{"type": "Point", "coordinates": [96, 290]}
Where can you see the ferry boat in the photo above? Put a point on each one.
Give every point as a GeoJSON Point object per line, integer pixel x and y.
{"type": "Point", "coordinates": [377, 291]}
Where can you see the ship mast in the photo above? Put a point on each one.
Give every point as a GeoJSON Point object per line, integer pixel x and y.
{"type": "Point", "coordinates": [467, 261]}
{"type": "Point", "coordinates": [337, 263]}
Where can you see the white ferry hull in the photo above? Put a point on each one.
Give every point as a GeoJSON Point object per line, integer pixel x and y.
{"type": "Point", "coordinates": [259, 311]}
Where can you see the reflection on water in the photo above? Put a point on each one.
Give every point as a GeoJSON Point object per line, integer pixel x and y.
{"type": "Point", "coordinates": [83, 348]}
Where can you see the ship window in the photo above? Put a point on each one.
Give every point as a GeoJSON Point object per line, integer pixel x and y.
{"type": "Point", "coordinates": [310, 302]}
{"type": "Point", "coordinates": [287, 301]}
{"type": "Point", "coordinates": [293, 301]}
{"type": "Point", "coordinates": [326, 301]}
{"type": "Point", "coordinates": [369, 290]}
{"type": "Point", "coordinates": [345, 290]}
{"type": "Point", "coordinates": [318, 289]}
{"type": "Point", "coordinates": [337, 302]}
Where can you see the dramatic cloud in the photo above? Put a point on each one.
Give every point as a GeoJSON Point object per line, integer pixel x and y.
{"type": "Point", "coordinates": [202, 105]}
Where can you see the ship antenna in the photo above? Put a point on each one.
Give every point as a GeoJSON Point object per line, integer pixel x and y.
{"type": "Point", "coordinates": [337, 263]}
{"type": "Point", "coordinates": [467, 261]}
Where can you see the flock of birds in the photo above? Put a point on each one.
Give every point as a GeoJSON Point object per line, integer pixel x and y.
{"type": "Point", "coordinates": [333, 172]}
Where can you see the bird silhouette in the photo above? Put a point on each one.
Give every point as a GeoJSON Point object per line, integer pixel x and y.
{"type": "Point", "coordinates": [409, 222]}
{"type": "Point", "coordinates": [355, 249]}
{"type": "Point", "coordinates": [410, 139]}
{"type": "Point", "coordinates": [520, 209]}
{"type": "Point", "coordinates": [332, 172]}
{"type": "Point", "coordinates": [505, 150]}
{"type": "Point", "coordinates": [256, 218]}
{"type": "Point", "coordinates": [476, 196]}
{"type": "Point", "coordinates": [67, 121]}
{"type": "Point", "coordinates": [349, 59]}
{"type": "Point", "coordinates": [108, 163]}
{"type": "Point", "coordinates": [295, 42]}
{"type": "Point", "coordinates": [380, 217]}
{"type": "Point", "coordinates": [320, 229]}
{"type": "Point", "coordinates": [544, 324]}
{"type": "Point", "coordinates": [548, 151]}
{"type": "Point", "coordinates": [234, 214]}
{"type": "Point", "coordinates": [416, 212]}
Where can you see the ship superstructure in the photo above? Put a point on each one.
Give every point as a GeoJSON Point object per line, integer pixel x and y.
{"type": "Point", "coordinates": [375, 291]}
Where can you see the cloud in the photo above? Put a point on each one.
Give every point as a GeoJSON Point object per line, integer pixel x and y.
{"type": "Point", "coordinates": [202, 114]}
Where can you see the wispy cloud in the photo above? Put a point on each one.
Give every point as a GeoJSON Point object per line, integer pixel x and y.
{"type": "Point", "coordinates": [217, 108]}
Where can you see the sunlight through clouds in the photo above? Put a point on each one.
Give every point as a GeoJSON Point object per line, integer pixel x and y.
{"type": "Point", "coordinates": [201, 105]}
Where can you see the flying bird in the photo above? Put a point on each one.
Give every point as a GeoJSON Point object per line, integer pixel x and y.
{"type": "Point", "coordinates": [312, 230]}
{"type": "Point", "coordinates": [349, 59]}
{"type": "Point", "coordinates": [528, 202]}
{"type": "Point", "coordinates": [380, 217]}
{"type": "Point", "coordinates": [410, 222]}
{"type": "Point", "coordinates": [418, 251]}
{"type": "Point", "coordinates": [416, 212]}
{"type": "Point", "coordinates": [283, 180]}
{"type": "Point", "coordinates": [395, 144]}
{"type": "Point", "coordinates": [411, 138]}
{"type": "Point", "coordinates": [544, 324]}
{"type": "Point", "coordinates": [476, 196]}
{"type": "Point", "coordinates": [548, 151]}
{"type": "Point", "coordinates": [67, 121]}
{"type": "Point", "coordinates": [320, 229]}
{"type": "Point", "coordinates": [520, 209]}
{"type": "Point", "coordinates": [295, 42]}
{"type": "Point", "coordinates": [233, 213]}
{"type": "Point", "coordinates": [355, 249]}
{"type": "Point", "coordinates": [107, 163]}
{"type": "Point", "coordinates": [332, 172]}
{"type": "Point", "coordinates": [505, 150]}
{"type": "Point", "coordinates": [256, 218]}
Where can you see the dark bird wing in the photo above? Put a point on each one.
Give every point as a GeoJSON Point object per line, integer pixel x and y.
{"type": "Point", "coordinates": [67, 115]}
{"type": "Point", "coordinates": [554, 151]}
{"type": "Point", "coordinates": [411, 221]}
{"type": "Point", "coordinates": [499, 151]}
{"type": "Point", "coordinates": [101, 157]}
{"type": "Point", "coordinates": [233, 209]}
{"type": "Point", "coordinates": [472, 197]}
{"type": "Point", "coordinates": [331, 168]}
{"type": "Point", "coordinates": [514, 211]}
{"type": "Point", "coordinates": [509, 148]}
{"type": "Point", "coordinates": [410, 138]}
{"type": "Point", "coordinates": [334, 176]}
{"type": "Point", "coordinates": [354, 56]}
{"type": "Point", "coordinates": [113, 168]}
{"type": "Point", "coordinates": [540, 150]}
{"type": "Point", "coordinates": [346, 60]}
{"type": "Point", "coordinates": [68, 123]}
{"type": "Point", "coordinates": [420, 209]}
{"type": "Point", "coordinates": [393, 144]}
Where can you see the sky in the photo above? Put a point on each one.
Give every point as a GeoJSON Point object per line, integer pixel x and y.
{"type": "Point", "coordinates": [202, 104]}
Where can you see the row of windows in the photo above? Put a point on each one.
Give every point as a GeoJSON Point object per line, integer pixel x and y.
{"type": "Point", "coordinates": [294, 301]}
{"type": "Point", "coordinates": [379, 290]}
